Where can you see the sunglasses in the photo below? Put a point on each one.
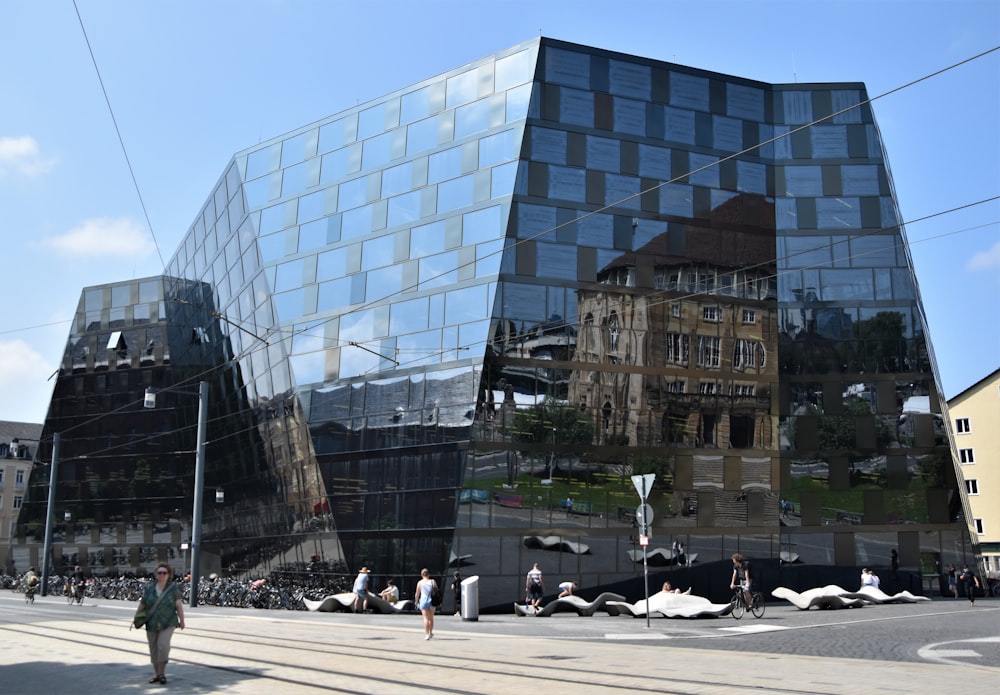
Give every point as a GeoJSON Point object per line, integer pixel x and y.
{"type": "Point", "coordinates": [162, 572]}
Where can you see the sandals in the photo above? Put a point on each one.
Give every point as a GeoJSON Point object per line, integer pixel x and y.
{"type": "Point", "coordinates": [158, 679]}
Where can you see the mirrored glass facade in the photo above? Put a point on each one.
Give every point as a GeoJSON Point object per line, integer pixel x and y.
{"type": "Point", "coordinates": [444, 329]}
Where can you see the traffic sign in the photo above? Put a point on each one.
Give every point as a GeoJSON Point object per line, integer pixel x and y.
{"type": "Point", "coordinates": [644, 516]}
{"type": "Point", "coordinates": [643, 483]}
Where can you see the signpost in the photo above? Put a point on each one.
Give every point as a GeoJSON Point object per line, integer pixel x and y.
{"type": "Point", "coordinates": [644, 517]}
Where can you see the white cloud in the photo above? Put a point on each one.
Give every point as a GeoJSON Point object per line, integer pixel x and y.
{"type": "Point", "coordinates": [105, 237]}
{"type": "Point", "coordinates": [21, 155]}
{"type": "Point", "coordinates": [24, 387]}
{"type": "Point", "coordinates": [985, 260]}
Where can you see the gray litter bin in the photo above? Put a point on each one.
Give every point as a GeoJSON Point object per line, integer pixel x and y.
{"type": "Point", "coordinates": [470, 598]}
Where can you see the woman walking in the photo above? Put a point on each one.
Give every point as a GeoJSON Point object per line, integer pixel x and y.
{"type": "Point", "coordinates": [164, 612]}
{"type": "Point", "coordinates": [425, 587]}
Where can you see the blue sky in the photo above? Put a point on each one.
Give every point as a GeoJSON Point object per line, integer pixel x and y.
{"type": "Point", "coordinates": [193, 81]}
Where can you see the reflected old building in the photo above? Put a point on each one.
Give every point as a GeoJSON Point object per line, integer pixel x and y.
{"type": "Point", "coordinates": [444, 328]}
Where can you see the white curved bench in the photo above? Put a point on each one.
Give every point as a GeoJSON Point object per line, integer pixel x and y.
{"type": "Point", "coordinates": [345, 602]}
{"type": "Point", "coordinates": [663, 605]}
{"type": "Point", "coordinates": [568, 604]}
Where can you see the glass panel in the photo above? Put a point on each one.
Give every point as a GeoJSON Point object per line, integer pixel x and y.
{"type": "Point", "coordinates": [456, 193]}
{"type": "Point", "coordinates": [803, 181]}
{"type": "Point", "coordinates": [352, 194]}
{"type": "Point", "coordinates": [556, 261]}
{"type": "Point", "coordinates": [377, 252]}
{"type": "Point", "coordinates": [603, 154]}
{"type": "Point", "coordinates": [465, 305]}
{"type": "Point", "coordinates": [473, 118]}
{"type": "Point", "coordinates": [263, 161]}
{"type": "Point", "coordinates": [289, 305]}
{"type": "Point", "coordinates": [498, 148]}
{"type": "Point", "coordinates": [873, 250]}
{"type": "Point", "coordinates": [622, 191]}
{"type": "Point", "coordinates": [335, 294]}
{"type": "Point", "coordinates": [847, 285]}
{"type": "Point", "coordinates": [405, 317]}
{"type": "Point", "coordinates": [428, 239]}
{"type": "Point", "coordinates": [630, 116]}
{"type": "Point", "coordinates": [444, 165]}
{"type": "Point", "coordinates": [371, 121]}
{"type": "Point", "coordinates": [576, 108]}
{"type": "Point", "coordinates": [727, 133]}
{"type": "Point", "coordinates": [438, 270]}
{"type": "Point", "coordinates": [567, 68]}
{"type": "Point", "coordinates": [744, 102]}
{"type": "Point", "coordinates": [337, 134]}
{"type": "Point", "coordinates": [482, 225]}
{"type": "Point", "coordinates": [404, 209]}
{"type": "Point", "coordinates": [860, 179]}
{"type": "Point", "coordinates": [680, 125]}
{"type": "Point", "coordinates": [341, 163]}
{"type": "Point", "coordinates": [677, 199]}
{"type": "Point", "coordinates": [415, 105]}
{"type": "Point", "coordinates": [422, 135]}
{"type": "Point", "coordinates": [377, 151]}
{"type": "Point", "coordinates": [384, 282]}
{"type": "Point", "coordinates": [398, 179]}
{"type": "Point", "coordinates": [567, 184]}
{"type": "Point", "coordinates": [751, 177]}
{"type": "Point", "coordinates": [514, 69]}
{"type": "Point", "coordinates": [311, 206]}
{"type": "Point", "coordinates": [689, 92]}
{"type": "Point", "coordinates": [503, 180]}
{"type": "Point", "coordinates": [293, 150]}
{"type": "Point", "coordinates": [463, 88]}
{"type": "Point", "coordinates": [149, 291]}
{"type": "Point", "coordinates": [654, 162]}
{"type": "Point", "coordinates": [710, 174]}
{"type": "Point", "coordinates": [518, 100]}
{"type": "Point", "coordinates": [630, 79]}
{"type": "Point", "coordinates": [272, 246]}
{"type": "Point", "coordinates": [548, 145]}
{"type": "Point", "coordinates": [838, 213]}
{"type": "Point", "coordinates": [828, 141]}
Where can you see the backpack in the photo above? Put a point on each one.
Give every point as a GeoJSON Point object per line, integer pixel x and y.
{"type": "Point", "coordinates": [436, 596]}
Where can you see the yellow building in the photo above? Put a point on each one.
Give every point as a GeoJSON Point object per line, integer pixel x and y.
{"type": "Point", "coordinates": [18, 441]}
{"type": "Point", "coordinates": [975, 422]}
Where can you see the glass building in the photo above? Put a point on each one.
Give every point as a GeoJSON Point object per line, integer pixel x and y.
{"type": "Point", "coordinates": [444, 328]}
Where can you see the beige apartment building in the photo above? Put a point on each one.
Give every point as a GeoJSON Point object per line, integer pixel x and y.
{"type": "Point", "coordinates": [18, 442]}
{"type": "Point", "coordinates": [975, 421]}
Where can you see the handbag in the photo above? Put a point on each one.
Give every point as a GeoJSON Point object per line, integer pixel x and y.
{"type": "Point", "coordinates": [141, 614]}
{"type": "Point", "coordinates": [436, 596]}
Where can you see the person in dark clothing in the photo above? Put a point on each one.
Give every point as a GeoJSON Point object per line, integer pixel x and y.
{"type": "Point", "coordinates": [969, 582]}
{"type": "Point", "coordinates": [456, 586]}
{"type": "Point", "coordinates": [741, 576]}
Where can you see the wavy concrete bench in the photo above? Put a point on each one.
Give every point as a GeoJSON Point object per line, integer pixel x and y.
{"type": "Point", "coordinates": [569, 604]}
{"type": "Point", "coordinates": [660, 557]}
{"type": "Point", "coordinates": [556, 543]}
{"type": "Point", "coordinates": [345, 603]}
{"type": "Point", "coordinates": [663, 605]}
{"type": "Point", "coordinates": [833, 596]}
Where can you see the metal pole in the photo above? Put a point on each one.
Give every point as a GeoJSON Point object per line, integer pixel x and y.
{"type": "Point", "coordinates": [199, 491]}
{"type": "Point", "coordinates": [50, 515]}
{"type": "Point", "coordinates": [645, 565]}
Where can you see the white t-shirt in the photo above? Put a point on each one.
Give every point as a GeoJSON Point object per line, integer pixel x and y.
{"type": "Point", "coordinates": [566, 586]}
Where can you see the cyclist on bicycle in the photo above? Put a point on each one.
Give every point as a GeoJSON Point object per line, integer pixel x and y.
{"type": "Point", "coordinates": [77, 584]}
{"type": "Point", "coordinates": [30, 583]}
{"type": "Point", "coordinates": [741, 576]}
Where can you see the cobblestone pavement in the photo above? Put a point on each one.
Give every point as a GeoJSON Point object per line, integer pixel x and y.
{"type": "Point", "coordinates": [51, 647]}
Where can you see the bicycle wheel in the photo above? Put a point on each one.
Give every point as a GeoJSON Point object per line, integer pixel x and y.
{"type": "Point", "coordinates": [739, 607]}
{"type": "Point", "coordinates": [757, 608]}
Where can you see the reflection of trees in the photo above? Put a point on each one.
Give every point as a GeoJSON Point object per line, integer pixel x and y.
{"type": "Point", "coordinates": [552, 422]}
{"type": "Point", "coordinates": [840, 431]}
{"type": "Point", "coordinates": [934, 469]}
{"type": "Point", "coordinates": [882, 334]}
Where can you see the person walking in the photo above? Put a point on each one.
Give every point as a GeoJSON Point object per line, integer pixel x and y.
{"type": "Point", "coordinates": [456, 587]}
{"type": "Point", "coordinates": [426, 587]}
{"type": "Point", "coordinates": [534, 586]}
{"type": "Point", "coordinates": [952, 580]}
{"type": "Point", "coordinates": [164, 612]}
{"type": "Point", "coordinates": [360, 590]}
{"type": "Point", "coordinates": [969, 582]}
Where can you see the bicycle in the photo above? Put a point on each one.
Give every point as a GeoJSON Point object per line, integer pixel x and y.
{"type": "Point", "coordinates": [739, 603]}
{"type": "Point", "coordinates": [29, 593]}
{"type": "Point", "coordinates": [76, 593]}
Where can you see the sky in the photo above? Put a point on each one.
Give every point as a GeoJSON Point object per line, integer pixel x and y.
{"type": "Point", "coordinates": [191, 82]}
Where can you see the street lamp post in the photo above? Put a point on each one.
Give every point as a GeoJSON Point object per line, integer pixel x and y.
{"type": "Point", "coordinates": [199, 478]}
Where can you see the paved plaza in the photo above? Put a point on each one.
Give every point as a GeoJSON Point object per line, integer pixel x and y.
{"type": "Point", "coordinates": [932, 646]}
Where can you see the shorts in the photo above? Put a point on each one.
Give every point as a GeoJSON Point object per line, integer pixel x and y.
{"type": "Point", "coordinates": [424, 602]}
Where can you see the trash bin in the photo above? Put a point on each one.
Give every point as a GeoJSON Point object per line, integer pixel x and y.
{"type": "Point", "coordinates": [470, 598]}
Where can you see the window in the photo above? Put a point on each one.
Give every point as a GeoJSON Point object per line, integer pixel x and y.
{"type": "Point", "coordinates": [19, 479]}
{"type": "Point", "coordinates": [678, 348]}
{"type": "Point", "coordinates": [613, 332]}
{"type": "Point", "coordinates": [977, 522]}
{"type": "Point", "coordinates": [965, 456]}
{"type": "Point", "coordinates": [962, 425]}
{"type": "Point", "coordinates": [706, 388]}
{"type": "Point", "coordinates": [749, 316]}
{"type": "Point", "coordinates": [18, 498]}
{"type": "Point", "coordinates": [675, 310]}
{"type": "Point", "coordinates": [709, 349]}
{"type": "Point", "coordinates": [743, 389]}
{"type": "Point", "coordinates": [972, 486]}
{"type": "Point", "coordinates": [675, 386]}
{"type": "Point", "coordinates": [711, 313]}
{"type": "Point", "coordinates": [748, 354]}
